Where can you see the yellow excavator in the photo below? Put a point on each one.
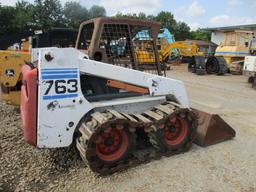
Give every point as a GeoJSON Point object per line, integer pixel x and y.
{"type": "Point", "coordinates": [166, 48]}
{"type": "Point", "coordinates": [16, 49]}
{"type": "Point", "coordinates": [185, 49]}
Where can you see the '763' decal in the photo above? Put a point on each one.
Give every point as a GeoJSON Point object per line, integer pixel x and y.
{"type": "Point", "coordinates": [61, 86]}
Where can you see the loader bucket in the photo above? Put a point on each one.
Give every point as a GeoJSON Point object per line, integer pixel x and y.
{"type": "Point", "coordinates": [212, 129]}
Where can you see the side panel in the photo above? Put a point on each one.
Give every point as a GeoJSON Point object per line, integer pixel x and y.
{"type": "Point", "coordinates": [61, 104]}
{"type": "Point", "coordinates": [10, 66]}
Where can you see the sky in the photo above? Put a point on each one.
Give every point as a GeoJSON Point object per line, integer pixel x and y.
{"type": "Point", "coordinates": [196, 13]}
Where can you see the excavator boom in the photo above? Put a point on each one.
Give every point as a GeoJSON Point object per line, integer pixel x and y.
{"type": "Point", "coordinates": [185, 49]}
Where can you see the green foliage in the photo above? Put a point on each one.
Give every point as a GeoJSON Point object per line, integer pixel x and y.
{"type": "Point", "coordinates": [167, 20]}
{"type": "Point", "coordinates": [48, 13]}
{"type": "Point", "coordinates": [201, 35]}
{"type": "Point", "coordinates": [97, 11]}
{"type": "Point", "coordinates": [131, 16]}
{"type": "Point", "coordinates": [23, 15]}
{"type": "Point", "coordinates": [7, 21]}
{"type": "Point", "coordinates": [75, 13]}
{"type": "Point", "coordinates": [45, 14]}
{"type": "Point", "coordinates": [180, 30]}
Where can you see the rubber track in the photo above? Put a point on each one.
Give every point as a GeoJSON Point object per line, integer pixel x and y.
{"type": "Point", "coordinates": [149, 120]}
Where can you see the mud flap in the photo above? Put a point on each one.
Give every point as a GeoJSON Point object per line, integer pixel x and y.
{"type": "Point", "coordinates": [212, 129]}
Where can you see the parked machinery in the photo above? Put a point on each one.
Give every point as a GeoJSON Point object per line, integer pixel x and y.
{"type": "Point", "coordinates": [10, 78]}
{"type": "Point", "coordinates": [250, 69]}
{"type": "Point", "coordinates": [11, 59]}
{"type": "Point", "coordinates": [118, 117]}
{"type": "Point", "coordinates": [184, 48]}
{"type": "Point", "coordinates": [207, 64]}
{"type": "Point", "coordinates": [229, 55]}
{"type": "Point", "coordinates": [167, 48]}
{"type": "Point", "coordinates": [234, 49]}
{"type": "Point", "coordinates": [211, 65]}
{"type": "Point", "coordinates": [130, 43]}
{"type": "Point", "coordinates": [198, 64]}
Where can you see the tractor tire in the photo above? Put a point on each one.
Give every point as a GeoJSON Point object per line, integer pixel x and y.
{"type": "Point", "coordinates": [216, 65]}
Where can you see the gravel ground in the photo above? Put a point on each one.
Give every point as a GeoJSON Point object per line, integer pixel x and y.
{"type": "Point", "coordinates": [228, 166]}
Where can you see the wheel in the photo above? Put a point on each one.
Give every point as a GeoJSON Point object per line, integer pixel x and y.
{"type": "Point", "coordinates": [174, 136]}
{"type": "Point", "coordinates": [114, 145]}
{"type": "Point", "coordinates": [175, 132]}
{"type": "Point", "coordinates": [212, 65]}
{"type": "Point", "coordinates": [109, 144]}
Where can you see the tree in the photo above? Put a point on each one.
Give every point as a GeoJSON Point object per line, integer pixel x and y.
{"type": "Point", "coordinates": [140, 15]}
{"type": "Point", "coordinates": [24, 15]}
{"type": "Point", "coordinates": [167, 20]}
{"type": "Point", "coordinates": [7, 21]}
{"type": "Point", "coordinates": [128, 16]}
{"type": "Point", "coordinates": [48, 13]}
{"type": "Point", "coordinates": [74, 13]}
{"type": "Point", "coordinates": [97, 11]}
{"type": "Point", "coordinates": [182, 31]}
{"type": "Point", "coordinates": [151, 17]}
{"type": "Point", "coordinates": [201, 35]}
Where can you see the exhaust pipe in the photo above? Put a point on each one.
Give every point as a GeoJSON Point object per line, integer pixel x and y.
{"type": "Point", "coordinates": [212, 129]}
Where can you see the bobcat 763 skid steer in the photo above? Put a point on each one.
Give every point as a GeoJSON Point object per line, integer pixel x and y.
{"type": "Point", "coordinates": [118, 117]}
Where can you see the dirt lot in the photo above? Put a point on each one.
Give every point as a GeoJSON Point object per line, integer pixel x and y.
{"type": "Point", "coordinates": [229, 166]}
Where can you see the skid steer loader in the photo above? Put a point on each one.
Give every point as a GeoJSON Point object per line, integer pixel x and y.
{"type": "Point", "coordinates": [118, 117]}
